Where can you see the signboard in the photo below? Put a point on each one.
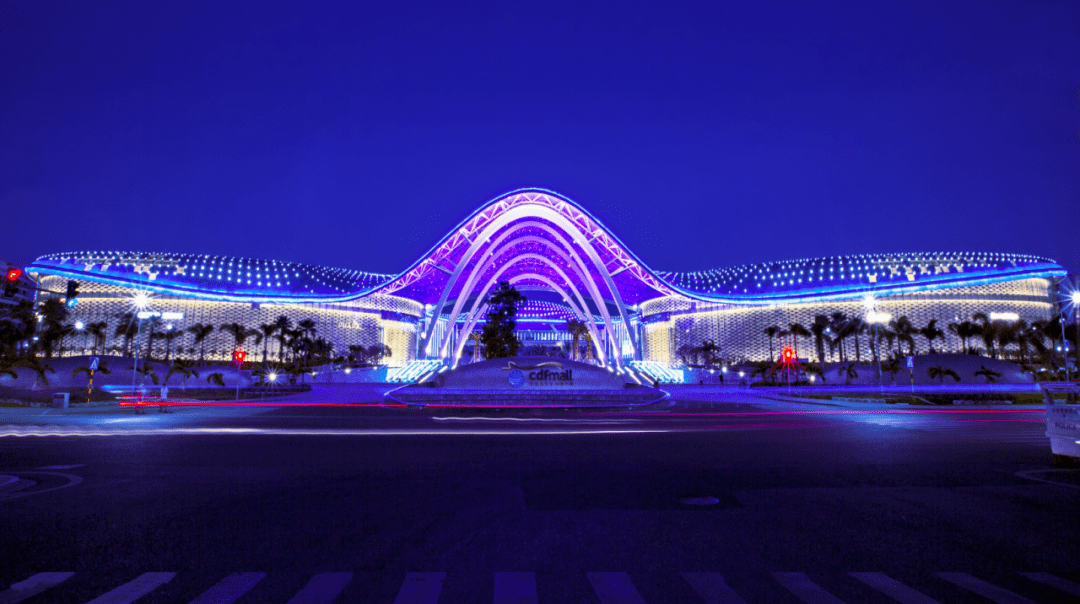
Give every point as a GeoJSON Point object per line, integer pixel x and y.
{"type": "Point", "coordinates": [911, 362]}
{"type": "Point", "coordinates": [1062, 420]}
{"type": "Point", "coordinates": [93, 363]}
{"type": "Point", "coordinates": [530, 374]}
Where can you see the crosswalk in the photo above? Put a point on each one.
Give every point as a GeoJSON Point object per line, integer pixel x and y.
{"type": "Point", "coordinates": [521, 588]}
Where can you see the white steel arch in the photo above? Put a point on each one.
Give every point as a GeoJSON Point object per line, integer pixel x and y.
{"type": "Point", "coordinates": [474, 315]}
{"type": "Point", "coordinates": [579, 270]}
{"type": "Point", "coordinates": [532, 211]}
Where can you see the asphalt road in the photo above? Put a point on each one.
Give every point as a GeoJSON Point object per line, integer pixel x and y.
{"type": "Point", "coordinates": [590, 503]}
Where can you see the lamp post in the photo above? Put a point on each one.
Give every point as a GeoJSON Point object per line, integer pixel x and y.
{"type": "Point", "coordinates": [79, 326]}
{"type": "Point", "coordinates": [874, 318]}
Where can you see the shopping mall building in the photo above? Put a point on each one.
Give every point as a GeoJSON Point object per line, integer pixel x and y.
{"type": "Point", "coordinates": [568, 265]}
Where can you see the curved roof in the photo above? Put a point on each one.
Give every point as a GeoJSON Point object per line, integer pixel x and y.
{"type": "Point", "coordinates": [547, 237]}
{"type": "Point", "coordinates": [213, 277]}
{"type": "Point", "coordinates": [848, 276]}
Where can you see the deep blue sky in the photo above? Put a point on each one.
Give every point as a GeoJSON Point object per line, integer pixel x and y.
{"type": "Point", "coordinates": [703, 137]}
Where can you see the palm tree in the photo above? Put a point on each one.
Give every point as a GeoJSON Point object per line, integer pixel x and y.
{"type": "Point", "coordinates": [267, 330]}
{"type": "Point", "coordinates": [127, 328]}
{"type": "Point", "coordinates": [821, 324]}
{"type": "Point", "coordinates": [184, 368]}
{"type": "Point", "coordinates": [964, 330]}
{"type": "Point", "coordinates": [771, 331]}
{"type": "Point", "coordinates": [240, 333]}
{"type": "Point", "coordinates": [931, 332]}
{"type": "Point", "coordinates": [201, 332]}
{"type": "Point", "coordinates": [34, 364]}
{"type": "Point", "coordinates": [849, 372]}
{"type": "Point", "coordinates": [306, 328]}
{"type": "Point", "coordinates": [284, 326]}
{"type": "Point", "coordinates": [576, 327]}
{"type": "Point", "coordinates": [990, 375]}
{"type": "Point", "coordinates": [939, 372]}
{"type": "Point", "coordinates": [215, 379]}
{"type": "Point", "coordinates": [892, 367]}
{"type": "Point", "coordinates": [797, 331]}
{"type": "Point", "coordinates": [153, 323]}
{"type": "Point", "coordinates": [837, 322]}
{"type": "Point", "coordinates": [988, 331]}
{"type": "Point", "coordinates": [904, 330]}
{"type": "Point", "coordinates": [147, 370]}
{"type": "Point", "coordinates": [97, 330]}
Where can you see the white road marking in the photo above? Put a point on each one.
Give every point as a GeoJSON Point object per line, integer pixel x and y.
{"type": "Point", "coordinates": [515, 588]}
{"type": "Point", "coordinates": [712, 588]}
{"type": "Point", "coordinates": [72, 481]}
{"type": "Point", "coordinates": [984, 589]}
{"type": "Point", "coordinates": [420, 588]}
{"type": "Point", "coordinates": [614, 588]}
{"type": "Point", "coordinates": [230, 588]}
{"type": "Point", "coordinates": [322, 588]}
{"type": "Point", "coordinates": [133, 590]}
{"type": "Point", "coordinates": [894, 589]}
{"type": "Point", "coordinates": [68, 467]}
{"type": "Point", "coordinates": [1054, 581]}
{"type": "Point", "coordinates": [805, 589]}
{"type": "Point", "coordinates": [32, 586]}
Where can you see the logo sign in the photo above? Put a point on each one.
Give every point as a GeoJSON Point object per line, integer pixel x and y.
{"type": "Point", "coordinates": [911, 362]}
{"type": "Point", "coordinates": [93, 363]}
{"type": "Point", "coordinates": [548, 373]}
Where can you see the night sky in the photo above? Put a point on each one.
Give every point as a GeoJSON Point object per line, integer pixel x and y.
{"type": "Point", "coordinates": [702, 136]}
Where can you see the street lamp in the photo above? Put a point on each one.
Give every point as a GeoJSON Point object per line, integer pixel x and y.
{"type": "Point", "coordinates": [79, 326]}
{"type": "Point", "coordinates": [874, 318]}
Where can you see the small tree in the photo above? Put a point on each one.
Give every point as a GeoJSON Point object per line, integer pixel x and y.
{"type": "Point", "coordinates": [184, 368]}
{"type": "Point", "coordinates": [576, 327]}
{"type": "Point", "coordinates": [498, 332]}
{"type": "Point", "coordinates": [849, 373]}
{"type": "Point", "coordinates": [990, 375]}
{"type": "Point", "coordinates": [939, 372]}
{"type": "Point", "coordinates": [216, 379]}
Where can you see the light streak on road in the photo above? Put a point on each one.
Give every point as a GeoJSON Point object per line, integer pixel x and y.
{"type": "Point", "coordinates": [24, 431]}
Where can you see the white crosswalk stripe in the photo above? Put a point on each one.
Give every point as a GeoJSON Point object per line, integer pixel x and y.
{"type": "Point", "coordinates": [515, 588]}
{"type": "Point", "coordinates": [805, 589]}
{"type": "Point", "coordinates": [133, 590]}
{"type": "Point", "coordinates": [521, 588]}
{"type": "Point", "coordinates": [420, 588]}
{"type": "Point", "coordinates": [32, 587]}
{"type": "Point", "coordinates": [322, 588]}
{"type": "Point", "coordinates": [614, 588]}
{"type": "Point", "coordinates": [712, 588]}
{"type": "Point", "coordinates": [894, 589]}
{"type": "Point", "coordinates": [1056, 582]}
{"type": "Point", "coordinates": [230, 588]}
{"type": "Point", "coordinates": [984, 589]}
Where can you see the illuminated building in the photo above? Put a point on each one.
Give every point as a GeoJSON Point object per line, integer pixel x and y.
{"type": "Point", "coordinates": [568, 265]}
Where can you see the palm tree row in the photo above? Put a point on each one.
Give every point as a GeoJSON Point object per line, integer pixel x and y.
{"type": "Point", "coordinates": [26, 331]}
{"type": "Point", "coordinates": [831, 334]}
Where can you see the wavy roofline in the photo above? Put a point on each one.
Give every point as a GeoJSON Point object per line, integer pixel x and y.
{"type": "Point", "coordinates": [1049, 269]}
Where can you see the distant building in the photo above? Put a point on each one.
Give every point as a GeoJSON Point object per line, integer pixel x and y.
{"type": "Point", "coordinates": [569, 266]}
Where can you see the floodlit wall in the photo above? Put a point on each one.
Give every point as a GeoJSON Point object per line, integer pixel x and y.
{"type": "Point", "coordinates": [672, 321]}
{"type": "Point", "coordinates": [390, 320]}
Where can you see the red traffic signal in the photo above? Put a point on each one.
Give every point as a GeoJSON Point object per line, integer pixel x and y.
{"type": "Point", "coordinates": [13, 274]}
{"type": "Point", "coordinates": [789, 354]}
{"type": "Point", "coordinates": [238, 356]}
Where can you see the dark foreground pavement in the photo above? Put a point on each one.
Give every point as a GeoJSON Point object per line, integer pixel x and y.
{"type": "Point", "coordinates": [590, 503]}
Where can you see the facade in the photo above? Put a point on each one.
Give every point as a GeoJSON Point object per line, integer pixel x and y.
{"type": "Point", "coordinates": [569, 266]}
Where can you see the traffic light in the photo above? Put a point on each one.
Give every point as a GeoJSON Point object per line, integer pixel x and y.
{"type": "Point", "coordinates": [238, 356]}
{"type": "Point", "coordinates": [11, 284]}
{"type": "Point", "coordinates": [71, 297]}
